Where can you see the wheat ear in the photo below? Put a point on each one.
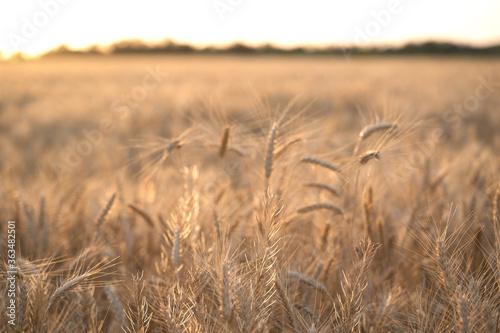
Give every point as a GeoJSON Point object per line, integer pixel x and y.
{"type": "Point", "coordinates": [270, 152]}
{"type": "Point", "coordinates": [370, 129]}
{"type": "Point", "coordinates": [100, 220]}
{"type": "Point", "coordinates": [224, 142]}
{"type": "Point", "coordinates": [320, 162]}
{"type": "Point", "coordinates": [464, 320]}
{"type": "Point", "coordinates": [321, 205]}
{"type": "Point", "coordinates": [176, 251]}
{"type": "Point", "coordinates": [67, 286]}
{"type": "Point", "coordinates": [142, 214]}
{"type": "Point", "coordinates": [322, 186]}
{"type": "Point", "coordinates": [313, 283]}
{"type": "Point", "coordinates": [369, 155]}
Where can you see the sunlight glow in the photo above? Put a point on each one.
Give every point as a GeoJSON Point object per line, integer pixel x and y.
{"type": "Point", "coordinates": [34, 27]}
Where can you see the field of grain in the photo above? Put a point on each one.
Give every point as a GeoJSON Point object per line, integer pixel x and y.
{"type": "Point", "coordinates": [251, 194]}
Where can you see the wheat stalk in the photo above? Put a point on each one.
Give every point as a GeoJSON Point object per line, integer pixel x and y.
{"type": "Point", "coordinates": [237, 150]}
{"type": "Point", "coordinates": [496, 200]}
{"type": "Point", "coordinates": [438, 179]}
{"type": "Point", "coordinates": [285, 148]}
{"type": "Point", "coordinates": [324, 235]}
{"type": "Point", "coordinates": [116, 304]}
{"type": "Point", "coordinates": [379, 223]}
{"type": "Point", "coordinates": [326, 269]}
{"type": "Point", "coordinates": [368, 209]}
{"type": "Point", "coordinates": [174, 144]}
{"type": "Point", "coordinates": [289, 310]}
{"type": "Point", "coordinates": [225, 292]}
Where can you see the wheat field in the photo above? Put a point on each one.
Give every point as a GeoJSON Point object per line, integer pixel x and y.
{"type": "Point", "coordinates": [251, 194]}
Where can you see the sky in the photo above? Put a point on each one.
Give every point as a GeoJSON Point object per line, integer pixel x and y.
{"type": "Point", "coordinates": [34, 27]}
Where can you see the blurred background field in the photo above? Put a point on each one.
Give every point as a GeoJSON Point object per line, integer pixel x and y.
{"type": "Point", "coordinates": [46, 103]}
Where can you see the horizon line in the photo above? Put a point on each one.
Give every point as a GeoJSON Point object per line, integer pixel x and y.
{"type": "Point", "coordinates": [161, 46]}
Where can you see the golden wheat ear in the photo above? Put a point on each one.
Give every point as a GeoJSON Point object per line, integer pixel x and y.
{"type": "Point", "coordinates": [368, 156]}
{"type": "Point", "coordinates": [321, 205]}
{"type": "Point", "coordinates": [104, 214]}
{"type": "Point", "coordinates": [224, 142]}
{"type": "Point", "coordinates": [320, 162]}
{"type": "Point", "coordinates": [322, 186]}
{"type": "Point", "coordinates": [367, 131]}
{"type": "Point", "coordinates": [268, 165]}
